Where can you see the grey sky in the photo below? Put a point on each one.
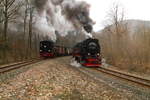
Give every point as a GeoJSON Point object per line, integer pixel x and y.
{"type": "Point", "coordinates": [134, 9]}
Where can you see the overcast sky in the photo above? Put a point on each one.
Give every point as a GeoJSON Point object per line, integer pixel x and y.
{"type": "Point", "coordinates": [134, 9]}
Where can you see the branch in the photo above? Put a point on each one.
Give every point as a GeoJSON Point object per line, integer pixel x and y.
{"type": "Point", "coordinates": [14, 10]}
{"type": "Point", "coordinates": [10, 3]}
{"type": "Point", "coordinates": [1, 20]}
{"type": "Point", "coordinates": [1, 2]}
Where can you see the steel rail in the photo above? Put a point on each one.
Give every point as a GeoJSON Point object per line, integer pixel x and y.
{"type": "Point", "coordinates": [128, 77]}
{"type": "Point", "coordinates": [11, 67]}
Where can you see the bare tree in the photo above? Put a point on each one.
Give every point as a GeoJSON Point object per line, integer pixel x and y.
{"type": "Point", "coordinates": [122, 49]}
{"type": "Point", "coordinates": [26, 10]}
{"type": "Point", "coordinates": [10, 14]}
{"type": "Point", "coordinates": [117, 18]}
{"type": "Point", "coordinates": [31, 10]}
{"type": "Point", "coordinates": [1, 11]}
{"type": "Point", "coordinates": [1, 1]}
{"type": "Point", "coordinates": [115, 34]}
{"type": "Point", "coordinates": [1, 18]}
{"type": "Point", "coordinates": [19, 41]}
{"type": "Point", "coordinates": [25, 16]}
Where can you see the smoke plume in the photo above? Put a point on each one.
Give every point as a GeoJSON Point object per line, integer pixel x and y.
{"type": "Point", "coordinates": [78, 14]}
{"type": "Point", "coordinates": [63, 16]}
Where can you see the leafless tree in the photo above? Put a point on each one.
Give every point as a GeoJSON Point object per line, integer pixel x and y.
{"type": "Point", "coordinates": [23, 42]}
{"type": "Point", "coordinates": [1, 18]}
{"type": "Point", "coordinates": [25, 29]}
{"type": "Point", "coordinates": [115, 34]}
{"type": "Point", "coordinates": [25, 15]}
{"type": "Point", "coordinates": [1, 11]}
{"type": "Point", "coordinates": [117, 18]}
{"type": "Point", "coordinates": [122, 48]}
{"type": "Point", "coordinates": [31, 10]}
{"type": "Point", "coordinates": [1, 1]}
{"type": "Point", "coordinates": [10, 11]}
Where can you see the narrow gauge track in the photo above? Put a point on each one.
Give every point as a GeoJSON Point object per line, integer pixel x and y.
{"type": "Point", "coordinates": [7, 68]}
{"type": "Point", "coordinates": [134, 79]}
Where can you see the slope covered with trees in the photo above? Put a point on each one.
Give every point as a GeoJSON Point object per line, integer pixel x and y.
{"type": "Point", "coordinates": [126, 43]}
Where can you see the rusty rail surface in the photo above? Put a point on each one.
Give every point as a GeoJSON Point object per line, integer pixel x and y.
{"type": "Point", "coordinates": [10, 67]}
{"type": "Point", "coordinates": [132, 78]}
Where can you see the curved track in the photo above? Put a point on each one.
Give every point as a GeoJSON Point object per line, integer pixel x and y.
{"type": "Point", "coordinates": [128, 77]}
{"type": "Point", "coordinates": [7, 68]}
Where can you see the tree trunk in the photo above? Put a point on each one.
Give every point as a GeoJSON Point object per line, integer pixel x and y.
{"type": "Point", "coordinates": [30, 33]}
{"type": "Point", "coordinates": [5, 34]}
{"type": "Point", "coordinates": [24, 35]}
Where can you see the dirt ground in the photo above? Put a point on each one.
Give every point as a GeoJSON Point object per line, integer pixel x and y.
{"type": "Point", "coordinates": [54, 79]}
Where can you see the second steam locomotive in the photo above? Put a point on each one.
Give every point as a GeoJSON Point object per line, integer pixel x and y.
{"type": "Point", "coordinates": [48, 49]}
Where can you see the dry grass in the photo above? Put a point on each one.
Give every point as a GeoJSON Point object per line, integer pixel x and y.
{"type": "Point", "coordinates": [126, 51]}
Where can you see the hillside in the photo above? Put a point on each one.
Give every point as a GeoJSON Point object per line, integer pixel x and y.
{"type": "Point", "coordinates": [129, 48]}
{"type": "Point", "coordinates": [132, 25]}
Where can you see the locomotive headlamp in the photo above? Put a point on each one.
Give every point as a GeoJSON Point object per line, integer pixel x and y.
{"type": "Point", "coordinates": [89, 54]}
{"type": "Point", "coordinates": [98, 54]}
{"type": "Point", "coordinates": [40, 50]}
{"type": "Point", "coordinates": [49, 50]}
{"type": "Point", "coordinates": [44, 46]}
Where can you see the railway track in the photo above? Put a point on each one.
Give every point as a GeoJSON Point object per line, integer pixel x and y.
{"type": "Point", "coordinates": [128, 77]}
{"type": "Point", "coordinates": [7, 68]}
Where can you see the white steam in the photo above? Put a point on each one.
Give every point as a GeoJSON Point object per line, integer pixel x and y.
{"type": "Point", "coordinates": [75, 63]}
{"type": "Point", "coordinates": [44, 27]}
{"type": "Point", "coordinates": [61, 16]}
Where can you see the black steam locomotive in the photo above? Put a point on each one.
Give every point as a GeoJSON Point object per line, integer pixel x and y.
{"type": "Point", "coordinates": [48, 49]}
{"type": "Point", "coordinates": [87, 53]}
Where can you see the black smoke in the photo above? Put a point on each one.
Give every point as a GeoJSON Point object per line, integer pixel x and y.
{"type": "Point", "coordinates": [78, 14]}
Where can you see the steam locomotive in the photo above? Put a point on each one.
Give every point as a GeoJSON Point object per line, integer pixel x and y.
{"type": "Point", "coordinates": [87, 53]}
{"type": "Point", "coordinates": [48, 49]}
